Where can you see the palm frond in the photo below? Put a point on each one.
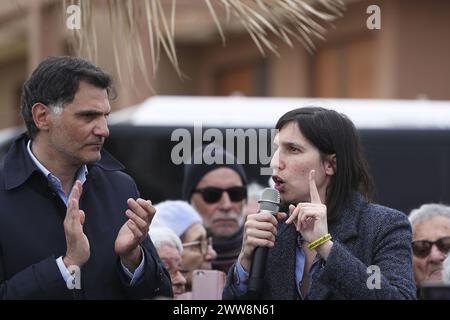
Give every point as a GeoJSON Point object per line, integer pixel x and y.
{"type": "Point", "coordinates": [287, 20]}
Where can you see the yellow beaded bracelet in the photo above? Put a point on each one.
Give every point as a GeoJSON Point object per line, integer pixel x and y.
{"type": "Point", "coordinates": [319, 241]}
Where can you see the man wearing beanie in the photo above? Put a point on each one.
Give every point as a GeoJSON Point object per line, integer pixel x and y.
{"type": "Point", "coordinates": [215, 185]}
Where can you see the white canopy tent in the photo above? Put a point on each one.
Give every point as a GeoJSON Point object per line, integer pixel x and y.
{"type": "Point", "coordinates": [237, 111]}
{"type": "Point", "coordinates": [9, 133]}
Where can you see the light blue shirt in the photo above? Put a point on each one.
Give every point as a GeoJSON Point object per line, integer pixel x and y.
{"type": "Point", "coordinates": [242, 282]}
{"type": "Point", "coordinates": [56, 185]}
{"type": "Point", "coordinates": [53, 180]}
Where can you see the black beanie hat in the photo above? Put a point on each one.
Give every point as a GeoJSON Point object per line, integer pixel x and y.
{"type": "Point", "coordinates": [193, 172]}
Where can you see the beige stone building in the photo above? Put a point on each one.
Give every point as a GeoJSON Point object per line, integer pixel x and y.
{"type": "Point", "coordinates": [408, 58]}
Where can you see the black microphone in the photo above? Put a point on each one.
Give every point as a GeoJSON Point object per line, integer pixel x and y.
{"type": "Point", "coordinates": [270, 202]}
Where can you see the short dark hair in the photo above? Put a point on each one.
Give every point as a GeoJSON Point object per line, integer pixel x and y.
{"type": "Point", "coordinates": [333, 133]}
{"type": "Point", "coordinates": [55, 81]}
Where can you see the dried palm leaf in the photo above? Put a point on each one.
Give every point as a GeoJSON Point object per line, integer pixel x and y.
{"type": "Point", "coordinates": [286, 19]}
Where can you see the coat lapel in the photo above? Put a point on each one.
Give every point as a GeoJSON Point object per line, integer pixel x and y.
{"type": "Point", "coordinates": [280, 282]}
{"type": "Point", "coordinates": [343, 230]}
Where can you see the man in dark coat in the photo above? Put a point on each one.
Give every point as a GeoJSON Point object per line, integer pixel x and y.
{"type": "Point", "coordinates": [72, 224]}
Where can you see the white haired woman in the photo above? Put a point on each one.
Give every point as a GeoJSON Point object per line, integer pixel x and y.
{"type": "Point", "coordinates": [182, 218]}
{"type": "Point", "coordinates": [169, 248]}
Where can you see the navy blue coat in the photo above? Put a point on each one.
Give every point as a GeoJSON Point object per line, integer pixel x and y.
{"type": "Point", "coordinates": [32, 234]}
{"type": "Point", "coordinates": [366, 234]}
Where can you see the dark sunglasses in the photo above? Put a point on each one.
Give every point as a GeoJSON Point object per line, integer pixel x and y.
{"type": "Point", "coordinates": [422, 248]}
{"type": "Point", "coordinates": [213, 194]}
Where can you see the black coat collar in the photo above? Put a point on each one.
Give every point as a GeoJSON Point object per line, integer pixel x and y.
{"type": "Point", "coordinates": [18, 166]}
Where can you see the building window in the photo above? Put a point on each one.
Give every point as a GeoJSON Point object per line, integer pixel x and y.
{"type": "Point", "coordinates": [245, 79]}
{"type": "Point", "coordinates": [345, 70]}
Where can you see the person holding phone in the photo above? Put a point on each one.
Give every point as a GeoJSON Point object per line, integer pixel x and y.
{"type": "Point", "coordinates": [181, 217]}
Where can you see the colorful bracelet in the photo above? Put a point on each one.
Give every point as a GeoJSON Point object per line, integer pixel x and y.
{"type": "Point", "coordinates": [319, 241]}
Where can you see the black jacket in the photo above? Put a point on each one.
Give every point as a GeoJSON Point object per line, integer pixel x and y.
{"type": "Point", "coordinates": [32, 234]}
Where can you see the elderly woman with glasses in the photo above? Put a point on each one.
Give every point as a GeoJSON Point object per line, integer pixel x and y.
{"type": "Point", "coordinates": [187, 224]}
{"type": "Point", "coordinates": [169, 248]}
{"type": "Point", "coordinates": [431, 241]}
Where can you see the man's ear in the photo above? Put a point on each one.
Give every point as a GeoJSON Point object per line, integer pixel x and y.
{"type": "Point", "coordinates": [330, 164]}
{"type": "Point", "coordinates": [41, 115]}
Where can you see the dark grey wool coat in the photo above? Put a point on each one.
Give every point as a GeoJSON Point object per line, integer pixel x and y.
{"type": "Point", "coordinates": [365, 235]}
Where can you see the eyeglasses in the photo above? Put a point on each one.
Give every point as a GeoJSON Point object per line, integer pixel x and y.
{"type": "Point", "coordinates": [422, 248]}
{"type": "Point", "coordinates": [213, 194]}
{"type": "Point", "coordinates": [173, 270]}
{"type": "Point", "coordinates": [203, 245]}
